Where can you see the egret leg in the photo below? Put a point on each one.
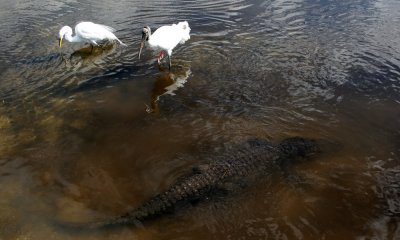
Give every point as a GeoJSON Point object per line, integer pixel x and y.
{"type": "Point", "coordinates": [93, 43]}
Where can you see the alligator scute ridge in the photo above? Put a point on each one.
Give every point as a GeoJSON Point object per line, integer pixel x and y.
{"type": "Point", "coordinates": [258, 155]}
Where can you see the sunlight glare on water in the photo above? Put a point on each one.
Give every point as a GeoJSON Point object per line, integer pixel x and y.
{"type": "Point", "coordinates": [87, 135]}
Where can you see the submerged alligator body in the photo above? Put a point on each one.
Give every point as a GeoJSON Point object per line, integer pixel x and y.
{"type": "Point", "coordinates": [258, 156]}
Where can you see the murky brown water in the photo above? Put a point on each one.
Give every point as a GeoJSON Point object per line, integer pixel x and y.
{"type": "Point", "coordinates": [87, 136]}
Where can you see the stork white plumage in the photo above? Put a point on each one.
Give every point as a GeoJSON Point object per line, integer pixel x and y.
{"type": "Point", "coordinates": [88, 32]}
{"type": "Point", "coordinates": [165, 39]}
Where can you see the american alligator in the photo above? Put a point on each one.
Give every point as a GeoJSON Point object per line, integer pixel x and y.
{"type": "Point", "coordinates": [257, 156]}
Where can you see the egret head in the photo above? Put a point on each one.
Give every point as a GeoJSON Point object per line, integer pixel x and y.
{"type": "Point", "coordinates": [64, 31]}
{"type": "Point", "coordinates": [146, 32]}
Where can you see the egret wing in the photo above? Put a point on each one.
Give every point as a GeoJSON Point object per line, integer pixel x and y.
{"type": "Point", "coordinates": [106, 27]}
{"type": "Point", "coordinates": [94, 32]}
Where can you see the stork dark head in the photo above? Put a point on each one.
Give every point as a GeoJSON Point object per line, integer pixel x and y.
{"type": "Point", "coordinates": [146, 32]}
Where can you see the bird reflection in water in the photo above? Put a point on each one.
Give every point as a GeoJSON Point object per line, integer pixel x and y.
{"type": "Point", "coordinates": [90, 53]}
{"type": "Point", "coordinates": [87, 55]}
{"type": "Point", "coordinates": [166, 84]}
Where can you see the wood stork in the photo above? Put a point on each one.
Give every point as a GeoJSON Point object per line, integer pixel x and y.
{"type": "Point", "coordinates": [165, 39]}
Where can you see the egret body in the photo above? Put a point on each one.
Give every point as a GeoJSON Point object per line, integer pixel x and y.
{"type": "Point", "coordinates": [88, 32]}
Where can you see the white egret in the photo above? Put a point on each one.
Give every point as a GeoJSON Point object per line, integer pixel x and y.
{"type": "Point", "coordinates": [165, 39]}
{"type": "Point", "coordinates": [88, 32]}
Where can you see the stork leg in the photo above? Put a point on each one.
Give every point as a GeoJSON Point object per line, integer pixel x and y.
{"type": "Point", "coordinates": [169, 62]}
{"type": "Point", "coordinates": [160, 56]}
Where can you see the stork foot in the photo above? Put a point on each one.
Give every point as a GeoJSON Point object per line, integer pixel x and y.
{"type": "Point", "coordinates": [160, 56]}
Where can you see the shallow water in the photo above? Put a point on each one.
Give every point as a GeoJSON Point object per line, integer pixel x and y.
{"type": "Point", "coordinates": [88, 135]}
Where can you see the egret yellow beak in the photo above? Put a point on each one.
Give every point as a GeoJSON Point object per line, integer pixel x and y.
{"type": "Point", "coordinates": [60, 42]}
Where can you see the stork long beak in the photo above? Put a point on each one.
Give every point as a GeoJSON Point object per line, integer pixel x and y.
{"type": "Point", "coordinates": [141, 47]}
{"type": "Point", "coordinates": [60, 42]}
{"type": "Point", "coordinates": [144, 38]}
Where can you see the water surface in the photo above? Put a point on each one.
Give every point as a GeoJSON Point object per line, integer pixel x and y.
{"type": "Point", "coordinates": [88, 135]}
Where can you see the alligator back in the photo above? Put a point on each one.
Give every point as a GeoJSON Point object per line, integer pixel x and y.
{"type": "Point", "coordinates": [255, 157]}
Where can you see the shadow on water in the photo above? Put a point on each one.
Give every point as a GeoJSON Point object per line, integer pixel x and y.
{"type": "Point", "coordinates": [51, 58]}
